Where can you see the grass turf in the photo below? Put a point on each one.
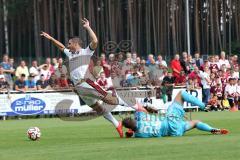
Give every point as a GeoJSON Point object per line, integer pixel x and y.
{"type": "Point", "coordinates": [97, 139]}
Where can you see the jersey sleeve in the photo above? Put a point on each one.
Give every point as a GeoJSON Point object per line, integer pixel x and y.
{"type": "Point", "coordinates": [89, 50]}
{"type": "Point", "coordinates": [67, 52]}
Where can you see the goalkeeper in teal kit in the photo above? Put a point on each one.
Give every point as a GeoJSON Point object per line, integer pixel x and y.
{"type": "Point", "coordinates": [146, 124]}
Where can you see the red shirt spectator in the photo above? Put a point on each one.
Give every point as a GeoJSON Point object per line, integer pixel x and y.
{"type": "Point", "coordinates": [63, 82]}
{"type": "Point", "coordinates": [105, 65]}
{"type": "Point", "coordinates": [176, 66]}
{"type": "Point", "coordinates": [102, 81]}
{"type": "Point", "coordinates": [206, 63]}
{"type": "Point", "coordinates": [194, 75]}
{"type": "Point", "coordinates": [181, 80]}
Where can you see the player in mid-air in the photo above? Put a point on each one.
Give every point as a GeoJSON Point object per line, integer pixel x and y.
{"type": "Point", "coordinates": [146, 125]}
{"type": "Point", "coordinates": [82, 78]}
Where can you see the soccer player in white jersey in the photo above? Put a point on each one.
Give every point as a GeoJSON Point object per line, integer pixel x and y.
{"type": "Point", "coordinates": [83, 80]}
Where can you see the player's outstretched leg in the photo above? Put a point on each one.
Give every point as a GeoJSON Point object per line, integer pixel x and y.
{"type": "Point", "coordinates": [117, 124]}
{"type": "Point", "coordinates": [108, 115]}
{"type": "Point", "coordinates": [204, 127]}
{"type": "Point", "coordinates": [191, 99]}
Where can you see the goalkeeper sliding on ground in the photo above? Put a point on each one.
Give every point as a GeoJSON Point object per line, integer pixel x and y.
{"type": "Point", "coordinates": [173, 123]}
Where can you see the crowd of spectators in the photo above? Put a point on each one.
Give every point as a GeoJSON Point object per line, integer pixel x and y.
{"type": "Point", "coordinates": [217, 76]}
{"type": "Point", "coordinates": [52, 74]}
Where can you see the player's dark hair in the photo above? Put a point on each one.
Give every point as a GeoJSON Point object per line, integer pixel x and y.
{"type": "Point", "coordinates": [76, 40]}
{"type": "Point", "coordinates": [129, 123]}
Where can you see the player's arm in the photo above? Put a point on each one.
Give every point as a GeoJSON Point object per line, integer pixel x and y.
{"type": "Point", "coordinates": [94, 40]}
{"type": "Point", "coordinates": [58, 44]}
{"type": "Point", "coordinates": [151, 109]}
{"type": "Point", "coordinates": [8, 70]}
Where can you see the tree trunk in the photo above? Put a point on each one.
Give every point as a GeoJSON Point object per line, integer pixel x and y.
{"type": "Point", "coordinates": [197, 32]}
{"type": "Point", "coordinates": [5, 21]}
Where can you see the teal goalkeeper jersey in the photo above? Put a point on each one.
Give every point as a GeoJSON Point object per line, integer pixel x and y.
{"type": "Point", "coordinates": [148, 125]}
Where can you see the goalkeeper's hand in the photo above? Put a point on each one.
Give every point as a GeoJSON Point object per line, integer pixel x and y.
{"type": "Point", "coordinates": [129, 133]}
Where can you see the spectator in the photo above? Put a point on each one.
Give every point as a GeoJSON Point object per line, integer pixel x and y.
{"type": "Point", "coordinates": [102, 81]}
{"type": "Point", "coordinates": [224, 78]}
{"type": "Point", "coordinates": [120, 58]}
{"type": "Point", "coordinates": [8, 70]}
{"type": "Point", "coordinates": [116, 69]}
{"type": "Point", "coordinates": [111, 59]}
{"type": "Point", "coordinates": [134, 81]}
{"type": "Point", "coordinates": [205, 64]}
{"type": "Point", "coordinates": [12, 64]}
{"type": "Point", "coordinates": [53, 81]}
{"type": "Point", "coordinates": [3, 84]}
{"type": "Point", "coordinates": [138, 62]}
{"type": "Point", "coordinates": [127, 66]}
{"type": "Point", "coordinates": [195, 75]}
{"type": "Point", "coordinates": [213, 103]}
{"type": "Point", "coordinates": [55, 63]}
{"type": "Point", "coordinates": [234, 62]}
{"type": "Point", "coordinates": [134, 58]}
{"type": "Point", "coordinates": [197, 84]}
{"type": "Point", "coordinates": [22, 69]}
{"type": "Point", "coordinates": [198, 61]}
{"type": "Point", "coordinates": [105, 65]}
{"type": "Point", "coordinates": [21, 83]}
{"type": "Point", "coordinates": [158, 74]}
{"type": "Point", "coordinates": [181, 80]}
{"type": "Point", "coordinates": [231, 91]}
{"type": "Point", "coordinates": [176, 66]}
{"type": "Point", "coordinates": [190, 84]}
{"type": "Point", "coordinates": [225, 102]}
{"type": "Point", "coordinates": [161, 61]}
{"type": "Point", "coordinates": [190, 64]}
{"type": "Point", "coordinates": [35, 71]}
{"type": "Point", "coordinates": [231, 74]}
{"type": "Point", "coordinates": [31, 83]}
{"type": "Point", "coordinates": [132, 78]}
{"type": "Point", "coordinates": [168, 84]}
{"type": "Point", "coordinates": [152, 70]}
{"type": "Point", "coordinates": [44, 70]}
{"type": "Point", "coordinates": [143, 68]}
{"type": "Point", "coordinates": [2, 72]}
{"type": "Point", "coordinates": [13, 68]}
{"type": "Point", "coordinates": [97, 69]}
{"type": "Point", "coordinates": [63, 82]}
{"type": "Point", "coordinates": [205, 81]}
{"type": "Point", "coordinates": [129, 55]}
{"type": "Point", "coordinates": [61, 69]}
{"type": "Point", "coordinates": [42, 83]}
{"type": "Point", "coordinates": [224, 69]}
{"type": "Point", "coordinates": [150, 59]}
{"type": "Point", "coordinates": [213, 82]}
{"type": "Point", "coordinates": [238, 93]}
{"type": "Point", "coordinates": [50, 66]}
{"type": "Point", "coordinates": [236, 72]}
{"type": "Point", "coordinates": [223, 60]}
{"type": "Point", "coordinates": [213, 65]}
{"type": "Point", "coordinates": [144, 79]}
{"type": "Point", "coordinates": [218, 90]}
{"type": "Point", "coordinates": [184, 62]}
{"type": "Point", "coordinates": [147, 101]}
{"type": "Point", "coordinates": [216, 57]}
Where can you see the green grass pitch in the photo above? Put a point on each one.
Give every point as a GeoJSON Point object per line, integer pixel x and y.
{"type": "Point", "coordinates": [97, 139]}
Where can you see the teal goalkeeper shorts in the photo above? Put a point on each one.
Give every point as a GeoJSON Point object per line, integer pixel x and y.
{"type": "Point", "coordinates": [174, 124]}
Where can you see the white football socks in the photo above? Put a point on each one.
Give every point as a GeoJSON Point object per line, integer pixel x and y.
{"type": "Point", "coordinates": [112, 119]}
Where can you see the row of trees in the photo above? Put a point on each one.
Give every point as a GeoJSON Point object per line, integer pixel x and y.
{"type": "Point", "coordinates": [152, 26]}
